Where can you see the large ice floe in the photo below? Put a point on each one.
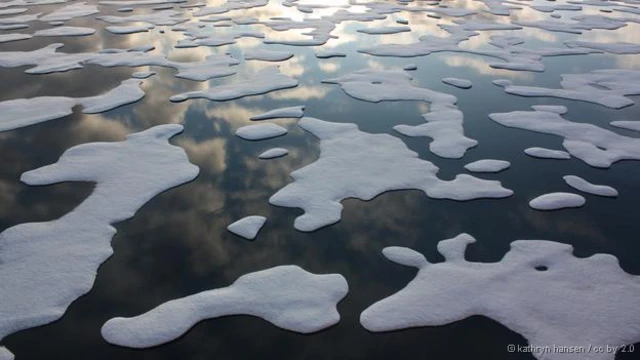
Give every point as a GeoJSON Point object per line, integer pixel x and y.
{"type": "Point", "coordinates": [46, 266]}
{"type": "Point", "coordinates": [264, 81]}
{"type": "Point", "coordinates": [286, 296]}
{"type": "Point", "coordinates": [594, 145]}
{"type": "Point", "coordinates": [443, 122]}
{"type": "Point", "coordinates": [583, 185]}
{"type": "Point", "coordinates": [356, 164]}
{"type": "Point", "coordinates": [539, 289]}
{"type": "Point", "coordinates": [24, 112]}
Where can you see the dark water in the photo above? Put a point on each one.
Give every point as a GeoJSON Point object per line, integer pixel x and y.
{"type": "Point", "coordinates": [177, 244]}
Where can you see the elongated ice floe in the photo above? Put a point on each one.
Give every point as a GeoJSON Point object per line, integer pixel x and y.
{"type": "Point", "coordinates": [286, 296]}
{"type": "Point", "coordinates": [356, 164]}
{"type": "Point", "coordinates": [594, 145]}
{"type": "Point", "coordinates": [543, 153]}
{"type": "Point", "coordinates": [614, 48]}
{"type": "Point", "coordinates": [327, 54]}
{"type": "Point", "coordinates": [247, 227]}
{"type": "Point", "coordinates": [539, 289]}
{"type": "Point", "coordinates": [14, 37]}
{"type": "Point", "coordinates": [24, 112]}
{"type": "Point", "coordinates": [556, 201]}
{"type": "Point", "coordinates": [443, 123]}
{"type": "Point", "coordinates": [46, 266]}
{"type": "Point", "coordinates": [459, 83]}
{"type": "Point", "coordinates": [385, 30]}
{"type": "Point", "coordinates": [488, 165]}
{"type": "Point", "coordinates": [66, 31]}
{"type": "Point", "coordinates": [273, 153]}
{"type": "Point", "coordinates": [605, 87]}
{"type": "Point", "coordinates": [629, 125]}
{"type": "Point", "coordinates": [129, 29]}
{"type": "Point", "coordinates": [260, 131]}
{"type": "Point", "coordinates": [287, 112]}
{"type": "Point", "coordinates": [159, 18]}
{"type": "Point", "coordinates": [71, 11]}
{"type": "Point", "coordinates": [267, 55]}
{"type": "Point", "coordinates": [264, 81]}
{"type": "Point", "coordinates": [583, 185]}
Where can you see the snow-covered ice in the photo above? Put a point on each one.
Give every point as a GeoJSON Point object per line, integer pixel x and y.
{"type": "Point", "coordinates": [287, 112]}
{"type": "Point", "coordinates": [583, 185]}
{"type": "Point", "coordinates": [66, 31]}
{"type": "Point", "coordinates": [260, 131]}
{"type": "Point", "coordinates": [625, 124]}
{"type": "Point", "coordinates": [539, 289]}
{"type": "Point", "coordinates": [14, 37]}
{"type": "Point", "coordinates": [267, 55]}
{"type": "Point", "coordinates": [247, 227]}
{"type": "Point", "coordinates": [543, 153]}
{"type": "Point", "coordinates": [488, 165]}
{"type": "Point", "coordinates": [556, 201]}
{"type": "Point", "coordinates": [385, 30]}
{"type": "Point", "coordinates": [287, 296]}
{"type": "Point", "coordinates": [459, 83]}
{"type": "Point", "coordinates": [273, 153]}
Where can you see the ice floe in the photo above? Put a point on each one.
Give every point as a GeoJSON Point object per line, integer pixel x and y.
{"type": "Point", "coordinates": [260, 131]}
{"type": "Point", "coordinates": [614, 48]}
{"type": "Point", "coordinates": [410, 67]}
{"type": "Point", "coordinates": [287, 112]}
{"type": "Point", "coordinates": [488, 165]}
{"type": "Point", "coordinates": [605, 87]}
{"type": "Point", "coordinates": [459, 83]}
{"type": "Point", "coordinates": [46, 266]}
{"type": "Point", "coordinates": [129, 29]}
{"type": "Point", "coordinates": [287, 296]}
{"type": "Point", "coordinates": [273, 153]}
{"type": "Point", "coordinates": [327, 54]}
{"type": "Point", "coordinates": [539, 289]}
{"type": "Point", "coordinates": [543, 153]}
{"type": "Point", "coordinates": [385, 30]}
{"type": "Point", "coordinates": [159, 18]}
{"type": "Point", "coordinates": [583, 185]}
{"type": "Point", "coordinates": [248, 227]}
{"type": "Point", "coordinates": [24, 112]}
{"type": "Point", "coordinates": [75, 10]}
{"type": "Point", "coordinates": [66, 31]}
{"type": "Point", "coordinates": [556, 201]}
{"type": "Point", "coordinates": [14, 37]}
{"type": "Point", "coordinates": [580, 23]}
{"type": "Point", "coordinates": [356, 164]}
{"type": "Point", "coordinates": [264, 81]}
{"type": "Point", "coordinates": [230, 5]}
{"type": "Point", "coordinates": [629, 125]}
{"type": "Point", "coordinates": [443, 123]}
{"type": "Point", "coordinates": [594, 145]}
{"type": "Point", "coordinates": [267, 55]}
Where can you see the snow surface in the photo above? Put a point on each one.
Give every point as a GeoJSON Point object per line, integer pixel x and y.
{"type": "Point", "coordinates": [260, 131]}
{"type": "Point", "coordinates": [556, 201]}
{"type": "Point", "coordinates": [45, 266]}
{"type": "Point", "coordinates": [543, 153]}
{"type": "Point", "coordinates": [459, 83]}
{"type": "Point", "coordinates": [356, 164]}
{"type": "Point", "coordinates": [247, 227]}
{"type": "Point", "coordinates": [267, 55]}
{"type": "Point", "coordinates": [539, 289]}
{"type": "Point", "coordinates": [273, 153]}
{"type": "Point", "coordinates": [66, 31]}
{"type": "Point", "coordinates": [488, 165]}
{"type": "Point", "coordinates": [583, 185]}
{"type": "Point", "coordinates": [287, 112]}
{"type": "Point", "coordinates": [629, 125]}
{"type": "Point", "coordinates": [385, 30]}
{"type": "Point", "coordinates": [286, 296]}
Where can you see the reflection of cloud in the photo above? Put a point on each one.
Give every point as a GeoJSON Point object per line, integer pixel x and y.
{"type": "Point", "coordinates": [209, 154]}
{"type": "Point", "coordinates": [328, 66]}
{"type": "Point", "coordinates": [303, 92]}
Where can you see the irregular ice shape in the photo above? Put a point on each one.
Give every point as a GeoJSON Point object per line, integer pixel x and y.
{"type": "Point", "coordinates": [287, 112]}
{"type": "Point", "coordinates": [629, 125]}
{"type": "Point", "coordinates": [459, 83]}
{"type": "Point", "coordinates": [260, 131]}
{"type": "Point", "coordinates": [488, 165]}
{"type": "Point", "coordinates": [130, 29]}
{"type": "Point", "coordinates": [139, 2]}
{"type": "Point", "coordinates": [327, 54]}
{"type": "Point", "coordinates": [66, 31]}
{"type": "Point", "coordinates": [605, 87]}
{"type": "Point", "coordinates": [267, 55]}
{"type": "Point", "coordinates": [583, 185]}
{"type": "Point", "coordinates": [266, 80]}
{"type": "Point", "coordinates": [543, 153]}
{"type": "Point", "coordinates": [14, 37]}
{"type": "Point", "coordinates": [230, 5]}
{"type": "Point", "coordinates": [539, 290]}
{"type": "Point", "coordinates": [273, 153]}
{"type": "Point", "coordinates": [159, 18]}
{"type": "Point", "coordinates": [45, 266]}
{"type": "Point", "coordinates": [71, 11]}
{"type": "Point", "coordinates": [594, 145]}
{"type": "Point", "coordinates": [286, 296]}
{"type": "Point", "coordinates": [24, 112]}
{"type": "Point", "coordinates": [14, 27]}
{"type": "Point", "coordinates": [247, 227]}
{"type": "Point", "coordinates": [13, 11]}
{"type": "Point", "coordinates": [443, 123]}
{"type": "Point", "coordinates": [356, 164]}
{"type": "Point", "coordinates": [556, 201]}
{"type": "Point", "coordinates": [198, 35]}
{"type": "Point", "coordinates": [581, 23]}
{"type": "Point", "coordinates": [19, 19]}
{"type": "Point", "coordinates": [385, 30]}
{"type": "Point", "coordinates": [614, 48]}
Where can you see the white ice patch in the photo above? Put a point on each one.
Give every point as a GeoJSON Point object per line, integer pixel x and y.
{"type": "Point", "coordinates": [66, 31]}
{"type": "Point", "coordinates": [327, 54]}
{"type": "Point", "coordinates": [273, 153]}
{"type": "Point", "coordinates": [543, 153]}
{"type": "Point", "coordinates": [580, 23]}
{"type": "Point", "coordinates": [260, 131]}
{"type": "Point", "coordinates": [614, 48]}
{"type": "Point", "coordinates": [20, 19]}
{"type": "Point", "coordinates": [488, 165]}
{"type": "Point", "coordinates": [556, 201]}
{"type": "Point", "coordinates": [443, 123]}
{"type": "Point", "coordinates": [46, 266]}
{"type": "Point", "coordinates": [230, 5]}
{"type": "Point", "coordinates": [71, 11]}
{"type": "Point", "coordinates": [266, 80]}
{"type": "Point", "coordinates": [14, 37]}
{"type": "Point", "coordinates": [410, 67]}
{"type": "Point", "coordinates": [267, 55]}
{"type": "Point", "coordinates": [200, 34]}
{"type": "Point", "coordinates": [539, 289]}
{"type": "Point", "coordinates": [248, 227]}
{"type": "Point", "coordinates": [385, 30]}
{"type": "Point", "coordinates": [159, 18]}
{"type": "Point", "coordinates": [459, 83]}
{"type": "Point", "coordinates": [129, 29]}
{"type": "Point", "coordinates": [594, 145]}
{"type": "Point", "coordinates": [24, 112]}
{"type": "Point", "coordinates": [583, 185]}
{"type": "Point", "coordinates": [629, 125]}
{"type": "Point", "coordinates": [287, 296]}
{"type": "Point", "coordinates": [356, 164]}
{"type": "Point", "coordinates": [605, 87]}
{"type": "Point", "coordinates": [287, 112]}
